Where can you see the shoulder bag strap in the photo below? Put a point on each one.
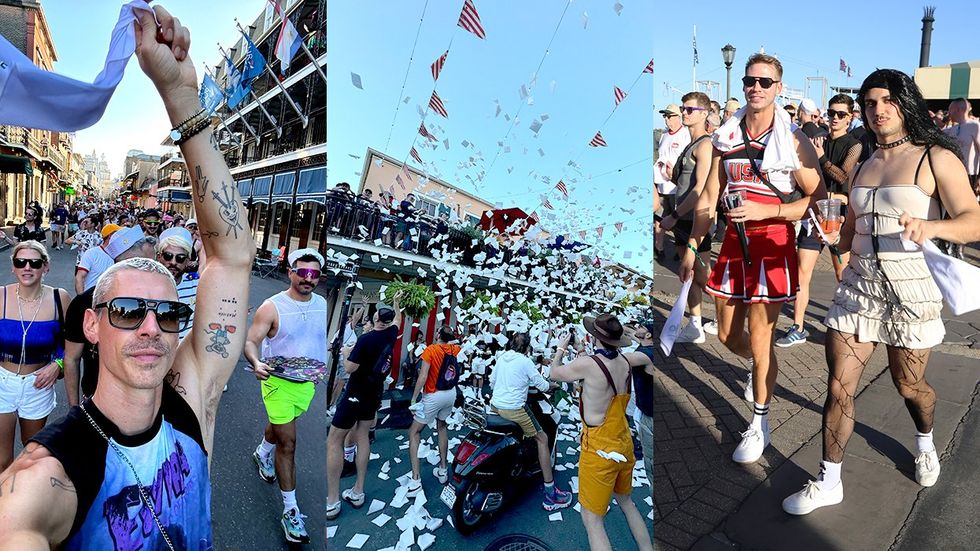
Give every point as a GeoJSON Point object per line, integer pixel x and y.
{"type": "Point", "coordinates": [783, 197]}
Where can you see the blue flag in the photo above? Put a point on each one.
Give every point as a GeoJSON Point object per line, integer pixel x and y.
{"type": "Point", "coordinates": [253, 64]}
{"type": "Point", "coordinates": [211, 94]}
{"type": "Point", "coordinates": [235, 91]}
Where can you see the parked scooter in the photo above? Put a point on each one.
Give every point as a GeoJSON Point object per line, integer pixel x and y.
{"type": "Point", "coordinates": [495, 462]}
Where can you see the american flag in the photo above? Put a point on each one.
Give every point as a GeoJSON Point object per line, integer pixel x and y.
{"type": "Point", "coordinates": [619, 226]}
{"type": "Point", "coordinates": [598, 231]}
{"type": "Point", "coordinates": [435, 103]}
{"type": "Point", "coordinates": [415, 155]}
{"type": "Point", "coordinates": [849, 71]}
{"type": "Point", "coordinates": [597, 141]}
{"type": "Point", "coordinates": [695, 41]}
{"type": "Point", "coordinates": [470, 20]}
{"type": "Point", "coordinates": [425, 133]}
{"type": "Point", "coordinates": [649, 67]}
{"type": "Point", "coordinates": [619, 94]}
{"type": "Point", "coordinates": [597, 263]}
{"type": "Point", "coordinates": [437, 65]}
{"type": "Point", "coordinates": [843, 65]}
{"type": "Point", "coordinates": [547, 204]}
{"type": "Point", "coordinates": [398, 178]}
{"type": "Point", "coordinates": [534, 216]}
{"type": "Point", "coordinates": [562, 188]}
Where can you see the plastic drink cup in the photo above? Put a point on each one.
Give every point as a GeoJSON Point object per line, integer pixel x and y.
{"type": "Point", "coordinates": [830, 215]}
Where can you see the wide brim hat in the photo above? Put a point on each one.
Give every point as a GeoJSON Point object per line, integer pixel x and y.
{"type": "Point", "coordinates": [607, 329]}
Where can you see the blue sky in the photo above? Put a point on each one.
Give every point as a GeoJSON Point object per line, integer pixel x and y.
{"type": "Point", "coordinates": [135, 118]}
{"type": "Point", "coordinates": [866, 35]}
{"type": "Point", "coordinates": [574, 89]}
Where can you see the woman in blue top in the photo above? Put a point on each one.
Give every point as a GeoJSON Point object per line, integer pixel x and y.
{"type": "Point", "coordinates": [31, 347]}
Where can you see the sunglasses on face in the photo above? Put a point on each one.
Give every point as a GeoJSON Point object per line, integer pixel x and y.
{"type": "Point", "coordinates": [765, 82]}
{"type": "Point", "coordinates": [691, 110]}
{"type": "Point", "coordinates": [181, 258]}
{"type": "Point", "coordinates": [129, 312]}
{"type": "Point", "coordinates": [307, 273]}
{"type": "Point", "coordinates": [833, 114]}
{"type": "Point", "coordinates": [151, 222]}
{"type": "Point", "coordinates": [35, 263]}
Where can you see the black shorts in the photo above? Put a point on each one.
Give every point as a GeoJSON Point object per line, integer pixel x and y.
{"type": "Point", "coordinates": [809, 241]}
{"type": "Point", "coordinates": [669, 204]}
{"type": "Point", "coordinates": [682, 233]}
{"type": "Point", "coordinates": [354, 407]}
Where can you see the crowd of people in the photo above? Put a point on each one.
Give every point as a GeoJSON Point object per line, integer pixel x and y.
{"type": "Point", "coordinates": [860, 178]}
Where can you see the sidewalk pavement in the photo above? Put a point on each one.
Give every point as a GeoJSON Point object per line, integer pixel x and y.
{"type": "Point", "coordinates": [705, 501]}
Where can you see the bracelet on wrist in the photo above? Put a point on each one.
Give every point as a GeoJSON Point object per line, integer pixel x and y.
{"type": "Point", "coordinates": [696, 253]}
{"type": "Point", "coordinates": [61, 364]}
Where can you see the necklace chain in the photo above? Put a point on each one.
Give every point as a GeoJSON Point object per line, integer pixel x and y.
{"type": "Point", "coordinates": [25, 329]}
{"type": "Point", "coordinates": [139, 483]}
{"type": "Point", "coordinates": [895, 143]}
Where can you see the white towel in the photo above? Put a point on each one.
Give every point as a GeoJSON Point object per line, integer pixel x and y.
{"type": "Point", "coordinates": [34, 98]}
{"type": "Point", "coordinates": [780, 154]}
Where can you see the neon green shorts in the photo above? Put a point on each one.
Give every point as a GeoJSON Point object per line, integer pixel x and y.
{"type": "Point", "coordinates": [286, 400]}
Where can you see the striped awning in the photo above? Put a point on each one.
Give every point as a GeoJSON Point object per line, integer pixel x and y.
{"type": "Point", "coordinates": [949, 82]}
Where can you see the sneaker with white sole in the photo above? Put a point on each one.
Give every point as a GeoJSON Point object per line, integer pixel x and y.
{"type": "Point", "coordinates": [267, 470]}
{"type": "Point", "coordinates": [414, 487]}
{"type": "Point", "coordinates": [750, 449]}
{"type": "Point", "coordinates": [293, 527]}
{"type": "Point", "coordinates": [691, 334]}
{"type": "Point", "coordinates": [812, 497]}
{"type": "Point", "coordinates": [333, 510]}
{"type": "Point", "coordinates": [794, 335]}
{"type": "Point", "coordinates": [749, 394]}
{"type": "Point", "coordinates": [356, 500]}
{"type": "Point", "coordinates": [441, 475]}
{"type": "Point", "coordinates": [927, 468]}
{"type": "Point", "coordinates": [710, 328]}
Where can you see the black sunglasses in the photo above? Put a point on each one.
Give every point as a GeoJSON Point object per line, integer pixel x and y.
{"type": "Point", "coordinates": [832, 113]}
{"type": "Point", "coordinates": [765, 82]}
{"type": "Point", "coordinates": [170, 256]}
{"type": "Point", "coordinates": [35, 263]}
{"type": "Point", "coordinates": [129, 312]}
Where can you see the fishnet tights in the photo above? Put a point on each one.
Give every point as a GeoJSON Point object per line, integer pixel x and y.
{"type": "Point", "coordinates": [847, 359]}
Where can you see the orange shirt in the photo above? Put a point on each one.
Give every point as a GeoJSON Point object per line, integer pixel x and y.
{"type": "Point", "coordinates": [434, 354]}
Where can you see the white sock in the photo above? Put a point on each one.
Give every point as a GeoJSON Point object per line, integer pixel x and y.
{"type": "Point", "coordinates": [265, 449]}
{"type": "Point", "coordinates": [288, 500]}
{"type": "Point", "coordinates": [924, 441]}
{"type": "Point", "coordinates": [349, 453]}
{"type": "Point", "coordinates": [696, 321]}
{"type": "Point", "coordinates": [760, 418]}
{"type": "Point", "coordinates": [829, 475]}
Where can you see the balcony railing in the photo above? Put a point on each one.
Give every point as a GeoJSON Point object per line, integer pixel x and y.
{"type": "Point", "coordinates": [16, 135]}
{"type": "Point", "coordinates": [55, 156]}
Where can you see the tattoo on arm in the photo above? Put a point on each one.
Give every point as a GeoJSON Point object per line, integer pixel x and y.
{"type": "Point", "coordinates": [66, 486]}
{"type": "Point", "coordinates": [229, 211]}
{"type": "Point", "coordinates": [3, 482]}
{"type": "Point", "coordinates": [202, 184]}
{"type": "Point", "coordinates": [220, 331]}
{"type": "Point", "coordinates": [173, 379]}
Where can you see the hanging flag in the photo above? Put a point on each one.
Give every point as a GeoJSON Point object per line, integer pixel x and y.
{"type": "Point", "coordinates": [398, 178]}
{"type": "Point", "coordinates": [547, 204]}
{"type": "Point", "coordinates": [849, 71]}
{"type": "Point", "coordinates": [534, 216]}
{"type": "Point", "coordinates": [843, 65]}
{"type": "Point", "coordinates": [233, 89]}
{"type": "Point", "coordinates": [437, 65]}
{"type": "Point", "coordinates": [562, 188]}
{"type": "Point", "coordinates": [598, 231]}
{"type": "Point", "coordinates": [435, 103]}
{"type": "Point", "coordinates": [211, 94]}
{"type": "Point", "coordinates": [619, 95]}
{"type": "Point", "coordinates": [597, 141]}
{"type": "Point", "coordinates": [695, 42]}
{"type": "Point", "coordinates": [253, 64]}
{"type": "Point", "coordinates": [582, 235]}
{"type": "Point", "coordinates": [415, 155]}
{"type": "Point", "coordinates": [649, 67]}
{"type": "Point", "coordinates": [597, 263]}
{"type": "Point", "coordinates": [289, 40]}
{"type": "Point", "coordinates": [470, 20]}
{"type": "Point", "coordinates": [425, 134]}
{"type": "Point", "coordinates": [619, 226]}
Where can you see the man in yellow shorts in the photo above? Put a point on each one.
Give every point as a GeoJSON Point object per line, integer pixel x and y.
{"type": "Point", "coordinates": [289, 329]}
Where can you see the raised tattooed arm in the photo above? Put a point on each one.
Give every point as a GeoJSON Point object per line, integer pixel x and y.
{"type": "Point", "coordinates": [37, 502]}
{"type": "Point", "coordinates": [206, 358]}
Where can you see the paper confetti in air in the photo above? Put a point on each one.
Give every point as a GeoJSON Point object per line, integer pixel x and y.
{"type": "Point", "coordinates": [356, 80]}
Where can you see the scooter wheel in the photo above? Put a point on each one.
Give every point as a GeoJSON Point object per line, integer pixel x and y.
{"type": "Point", "coordinates": [467, 515]}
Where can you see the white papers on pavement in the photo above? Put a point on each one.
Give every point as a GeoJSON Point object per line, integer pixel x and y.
{"type": "Point", "coordinates": [358, 541]}
{"type": "Point", "coordinates": [553, 517]}
{"type": "Point", "coordinates": [673, 325]}
{"type": "Point", "coordinates": [376, 505]}
{"type": "Point", "coordinates": [381, 520]}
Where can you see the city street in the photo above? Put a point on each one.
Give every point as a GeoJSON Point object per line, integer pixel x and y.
{"type": "Point", "coordinates": [245, 510]}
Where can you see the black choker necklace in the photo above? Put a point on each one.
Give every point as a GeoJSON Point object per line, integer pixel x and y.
{"type": "Point", "coordinates": [895, 143]}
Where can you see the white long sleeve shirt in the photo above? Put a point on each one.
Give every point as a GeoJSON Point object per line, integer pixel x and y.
{"type": "Point", "coordinates": [512, 375]}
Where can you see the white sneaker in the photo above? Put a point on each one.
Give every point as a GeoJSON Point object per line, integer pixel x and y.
{"type": "Point", "coordinates": [750, 449]}
{"type": "Point", "coordinates": [691, 334]}
{"type": "Point", "coordinates": [812, 497]}
{"type": "Point", "coordinates": [414, 487]}
{"type": "Point", "coordinates": [749, 395]}
{"type": "Point", "coordinates": [441, 474]}
{"type": "Point", "coordinates": [927, 468]}
{"type": "Point", "coordinates": [710, 328]}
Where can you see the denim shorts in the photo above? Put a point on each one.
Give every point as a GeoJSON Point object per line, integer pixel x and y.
{"type": "Point", "coordinates": [18, 395]}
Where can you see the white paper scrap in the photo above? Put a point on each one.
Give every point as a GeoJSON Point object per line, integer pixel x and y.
{"type": "Point", "coordinates": [381, 520]}
{"type": "Point", "coordinates": [376, 505]}
{"type": "Point", "coordinates": [425, 541]}
{"type": "Point", "coordinates": [358, 541]}
{"type": "Point", "coordinates": [553, 517]}
{"type": "Point", "coordinates": [672, 327]}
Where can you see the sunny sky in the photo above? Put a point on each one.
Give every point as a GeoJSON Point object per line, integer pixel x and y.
{"type": "Point", "coordinates": [570, 97]}
{"type": "Point", "coordinates": [135, 118]}
{"type": "Point", "coordinates": [866, 35]}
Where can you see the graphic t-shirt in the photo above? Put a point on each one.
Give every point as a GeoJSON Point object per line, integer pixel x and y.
{"type": "Point", "coordinates": [370, 353]}
{"type": "Point", "coordinates": [172, 465]}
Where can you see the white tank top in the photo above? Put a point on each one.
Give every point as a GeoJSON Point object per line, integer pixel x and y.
{"type": "Point", "coordinates": [302, 328]}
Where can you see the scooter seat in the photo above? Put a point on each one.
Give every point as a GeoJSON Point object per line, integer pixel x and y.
{"type": "Point", "coordinates": [497, 422]}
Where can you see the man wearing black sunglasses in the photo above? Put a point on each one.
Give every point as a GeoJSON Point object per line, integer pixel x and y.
{"type": "Point", "coordinates": [129, 467]}
{"type": "Point", "coordinates": [174, 251]}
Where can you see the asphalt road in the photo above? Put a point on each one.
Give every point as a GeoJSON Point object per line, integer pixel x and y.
{"type": "Point", "coordinates": [245, 510]}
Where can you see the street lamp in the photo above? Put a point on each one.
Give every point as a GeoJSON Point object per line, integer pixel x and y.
{"type": "Point", "coordinates": [728, 53]}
